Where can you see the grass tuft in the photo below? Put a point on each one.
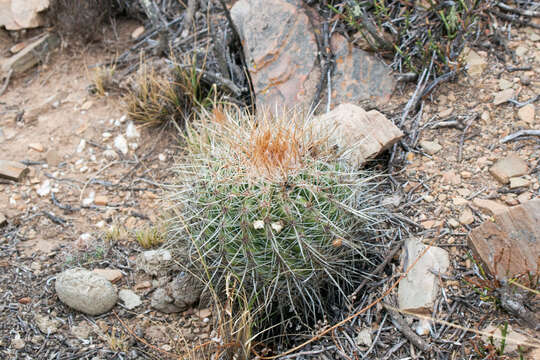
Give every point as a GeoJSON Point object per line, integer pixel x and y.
{"type": "Point", "coordinates": [150, 236]}
{"type": "Point", "coordinates": [157, 99]}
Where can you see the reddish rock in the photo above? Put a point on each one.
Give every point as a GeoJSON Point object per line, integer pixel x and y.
{"type": "Point", "coordinates": [12, 170]}
{"type": "Point", "coordinates": [281, 52]}
{"type": "Point", "coordinates": [510, 245]}
{"type": "Point", "coordinates": [491, 206]}
{"type": "Point", "coordinates": [113, 275]}
{"type": "Point", "coordinates": [510, 166]}
{"type": "Point", "coordinates": [101, 200]}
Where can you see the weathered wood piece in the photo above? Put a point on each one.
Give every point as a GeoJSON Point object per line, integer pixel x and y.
{"type": "Point", "coordinates": [31, 55]}
{"type": "Point", "coordinates": [510, 245]}
{"type": "Point", "coordinates": [12, 170]}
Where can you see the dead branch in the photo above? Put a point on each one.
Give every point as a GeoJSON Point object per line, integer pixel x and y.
{"type": "Point", "coordinates": [192, 7]}
{"type": "Point", "coordinates": [522, 104]}
{"type": "Point", "coordinates": [514, 19]}
{"type": "Point", "coordinates": [462, 140]}
{"type": "Point", "coordinates": [529, 13]}
{"type": "Point", "coordinates": [520, 133]}
{"type": "Point", "coordinates": [6, 82]}
{"type": "Point", "coordinates": [401, 325]}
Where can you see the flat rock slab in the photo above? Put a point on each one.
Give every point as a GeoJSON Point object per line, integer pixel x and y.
{"type": "Point", "coordinates": [12, 170]}
{"type": "Point", "coordinates": [281, 52]}
{"type": "Point", "coordinates": [508, 167]}
{"type": "Point", "coordinates": [359, 134]}
{"type": "Point", "coordinates": [418, 291]}
{"type": "Point", "coordinates": [491, 206]}
{"type": "Point", "coordinates": [31, 55]}
{"type": "Point", "coordinates": [510, 244]}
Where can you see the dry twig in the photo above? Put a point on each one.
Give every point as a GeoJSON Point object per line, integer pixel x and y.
{"type": "Point", "coordinates": [519, 134]}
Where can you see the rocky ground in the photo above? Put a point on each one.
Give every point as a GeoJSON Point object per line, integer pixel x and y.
{"type": "Point", "coordinates": [95, 181]}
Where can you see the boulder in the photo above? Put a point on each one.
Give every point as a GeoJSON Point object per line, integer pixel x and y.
{"type": "Point", "coordinates": [85, 291]}
{"type": "Point", "coordinates": [359, 77]}
{"type": "Point", "coordinates": [280, 49]}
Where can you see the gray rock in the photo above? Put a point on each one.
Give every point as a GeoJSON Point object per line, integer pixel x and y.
{"type": "Point", "coordinates": [82, 331]}
{"type": "Point", "coordinates": [85, 291]}
{"type": "Point", "coordinates": [503, 96]}
{"type": "Point", "coordinates": [161, 301]}
{"type": "Point", "coordinates": [180, 294]}
{"type": "Point", "coordinates": [430, 147]}
{"type": "Point", "coordinates": [419, 289]}
{"type": "Point", "coordinates": [129, 298]}
{"type": "Point", "coordinates": [185, 290]}
{"type": "Point", "coordinates": [154, 262]}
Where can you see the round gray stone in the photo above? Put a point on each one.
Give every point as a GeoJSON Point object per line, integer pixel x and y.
{"type": "Point", "coordinates": [86, 291]}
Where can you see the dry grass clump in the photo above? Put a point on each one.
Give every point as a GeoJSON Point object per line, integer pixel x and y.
{"type": "Point", "coordinates": [103, 79]}
{"type": "Point", "coordinates": [157, 99]}
{"type": "Point", "coordinates": [151, 236]}
{"type": "Point", "coordinates": [264, 203]}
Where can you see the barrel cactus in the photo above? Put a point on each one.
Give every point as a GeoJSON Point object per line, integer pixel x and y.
{"type": "Point", "coordinates": [263, 200]}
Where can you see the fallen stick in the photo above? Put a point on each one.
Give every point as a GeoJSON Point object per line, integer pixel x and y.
{"type": "Point", "coordinates": [401, 325]}
{"type": "Point", "coordinates": [6, 82]}
{"type": "Point", "coordinates": [529, 13]}
{"type": "Point", "coordinates": [462, 140]}
{"type": "Point", "coordinates": [520, 133]}
{"type": "Point", "coordinates": [522, 104]}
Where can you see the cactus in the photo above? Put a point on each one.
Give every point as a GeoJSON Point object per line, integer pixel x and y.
{"type": "Point", "coordinates": [265, 201]}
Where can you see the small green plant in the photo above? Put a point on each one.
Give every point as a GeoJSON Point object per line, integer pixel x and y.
{"type": "Point", "coordinates": [150, 236]}
{"type": "Point", "coordinates": [264, 202]}
{"type": "Point", "coordinates": [417, 34]}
